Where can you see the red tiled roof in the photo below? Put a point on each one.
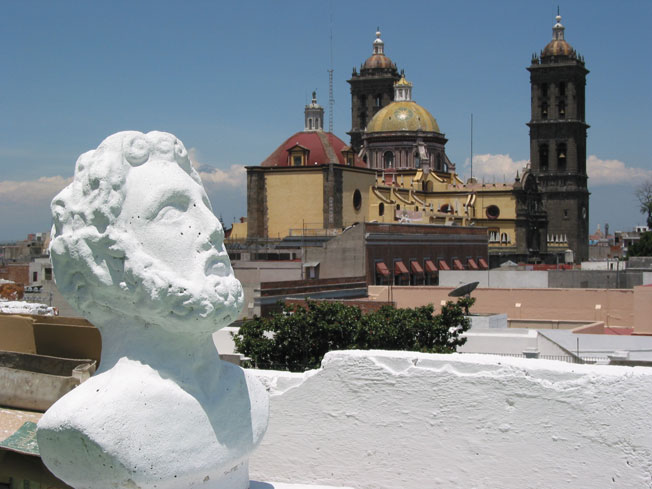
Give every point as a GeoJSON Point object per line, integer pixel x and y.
{"type": "Point", "coordinates": [483, 264]}
{"type": "Point", "coordinates": [313, 141]}
{"type": "Point", "coordinates": [472, 264]}
{"type": "Point", "coordinates": [443, 265]}
{"type": "Point", "coordinates": [457, 265]}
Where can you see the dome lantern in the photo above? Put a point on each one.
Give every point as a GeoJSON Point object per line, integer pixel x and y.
{"type": "Point", "coordinates": [402, 90]}
{"type": "Point", "coordinates": [379, 45]}
{"type": "Point", "coordinates": [314, 115]}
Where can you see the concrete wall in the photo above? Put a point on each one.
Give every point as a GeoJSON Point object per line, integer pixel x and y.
{"type": "Point", "coordinates": [495, 278]}
{"type": "Point", "coordinates": [594, 279]}
{"type": "Point", "coordinates": [606, 264]}
{"type": "Point", "coordinates": [643, 310]}
{"type": "Point", "coordinates": [382, 420]}
{"type": "Point", "coordinates": [252, 273]}
{"type": "Point", "coordinates": [56, 336]}
{"type": "Point", "coordinates": [647, 278]}
{"type": "Point", "coordinates": [342, 256]}
{"type": "Point", "coordinates": [613, 306]}
{"type": "Point", "coordinates": [507, 341]}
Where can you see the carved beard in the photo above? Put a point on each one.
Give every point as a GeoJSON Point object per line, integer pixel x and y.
{"type": "Point", "coordinates": [160, 296]}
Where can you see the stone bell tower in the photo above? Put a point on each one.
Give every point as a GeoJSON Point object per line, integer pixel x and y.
{"type": "Point", "coordinates": [558, 143]}
{"type": "Point", "coordinates": [371, 90]}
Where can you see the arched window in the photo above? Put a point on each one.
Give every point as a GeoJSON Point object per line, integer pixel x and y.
{"type": "Point", "coordinates": [379, 99]}
{"type": "Point", "coordinates": [388, 159]}
{"type": "Point", "coordinates": [439, 165]}
{"type": "Point", "coordinates": [543, 157]}
{"type": "Point", "coordinates": [310, 123]}
{"type": "Point", "coordinates": [561, 157]}
{"type": "Point", "coordinates": [357, 200]}
{"type": "Point", "coordinates": [381, 209]}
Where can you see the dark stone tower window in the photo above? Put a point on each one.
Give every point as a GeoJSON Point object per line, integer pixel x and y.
{"type": "Point", "coordinates": [439, 165]}
{"type": "Point", "coordinates": [544, 100]}
{"type": "Point", "coordinates": [561, 157]}
{"type": "Point", "coordinates": [388, 159]}
{"type": "Point", "coordinates": [543, 157]}
{"type": "Point", "coordinates": [381, 209]}
{"type": "Point", "coordinates": [379, 100]}
{"type": "Point", "coordinates": [562, 100]}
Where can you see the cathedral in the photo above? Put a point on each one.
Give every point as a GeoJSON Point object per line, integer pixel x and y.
{"type": "Point", "coordinates": [395, 169]}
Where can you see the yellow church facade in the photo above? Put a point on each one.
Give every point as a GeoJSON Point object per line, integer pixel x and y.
{"type": "Point", "coordinates": [324, 199]}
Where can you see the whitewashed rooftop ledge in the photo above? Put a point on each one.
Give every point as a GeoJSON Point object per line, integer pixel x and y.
{"type": "Point", "coordinates": [387, 420]}
{"type": "Point", "coordinates": [138, 251]}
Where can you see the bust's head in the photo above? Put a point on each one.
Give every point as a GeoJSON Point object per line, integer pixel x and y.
{"type": "Point", "coordinates": [134, 235]}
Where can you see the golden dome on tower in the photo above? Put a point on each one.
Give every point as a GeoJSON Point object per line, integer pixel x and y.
{"type": "Point", "coordinates": [378, 60]}
{"type": "Point", "coordinates": [558, 46]}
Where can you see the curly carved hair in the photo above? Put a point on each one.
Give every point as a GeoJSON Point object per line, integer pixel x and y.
{"type": "Point", "coordinates": [88, 254]}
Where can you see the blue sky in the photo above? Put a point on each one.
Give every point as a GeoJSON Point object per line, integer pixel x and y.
{"type": "Point", "coordinates": [231, 79]}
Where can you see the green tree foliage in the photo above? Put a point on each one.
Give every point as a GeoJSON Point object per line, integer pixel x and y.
{"type": "Point", "coordinates": [297, 338]}
{"type": "Point", "coordinates": [643, 247]}
{"type": "Point", "coordinates": [643, 194]}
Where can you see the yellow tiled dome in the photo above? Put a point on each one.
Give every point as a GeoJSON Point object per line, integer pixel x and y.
{"type": "Point", "coordinates": [403, 116]}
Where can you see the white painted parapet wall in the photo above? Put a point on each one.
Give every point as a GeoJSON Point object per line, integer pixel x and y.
{"type": "Point", "coordinates": [410, 420]}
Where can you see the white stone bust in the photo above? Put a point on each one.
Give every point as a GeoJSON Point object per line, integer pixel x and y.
{"type": "Point", "coordinates": [137, 249]}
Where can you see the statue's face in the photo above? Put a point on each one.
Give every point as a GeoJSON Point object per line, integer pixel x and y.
{"type": "Point", "coordinates": [176, 246]}
{"type": "Point", "coordinates": [170, 216]}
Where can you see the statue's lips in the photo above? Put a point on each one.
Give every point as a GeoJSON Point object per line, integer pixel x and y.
{"type": "Point", "coordinates": [216, 264]}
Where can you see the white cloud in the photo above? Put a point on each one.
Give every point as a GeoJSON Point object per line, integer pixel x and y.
{"type": "Point", "coordinates": [609, 172]}
{"type": "Point", "coordinates": [601, 172]}
{"type": "Point", "coordinates": [235, 176]}
{"type": "Point", "coordinates": [32, 192]}
{"type": "Point", "coordinates": [494, 167]}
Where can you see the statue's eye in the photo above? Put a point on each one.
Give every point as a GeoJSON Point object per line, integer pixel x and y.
{"type": "Point", "coordinates": [172, 209]}
{"type": "Point", "coordinates": [168, 213]}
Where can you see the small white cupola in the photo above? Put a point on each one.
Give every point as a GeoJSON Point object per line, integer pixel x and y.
{"type": "Point", "coordinates": [379, 45]}
{"type": "Point", "coordinates": [558, 29]}
{"type": "Point", "coordinates": [314, 115]}
{"type": "Point", "coordinates": [402, 90]}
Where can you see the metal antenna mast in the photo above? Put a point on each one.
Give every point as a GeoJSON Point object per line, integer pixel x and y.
{"type": "Point", "coordinates": [471, 144]}
{"type": "Point", "coordinates": [331, 99]}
